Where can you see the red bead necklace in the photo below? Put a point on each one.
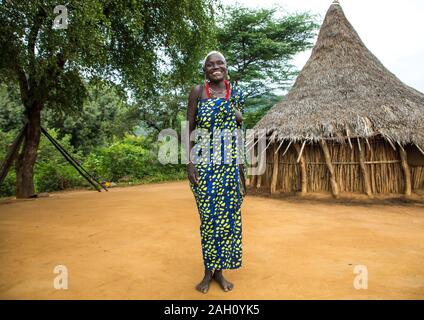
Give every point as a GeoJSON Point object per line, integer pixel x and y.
{"type": "Point", "coordinates": [227, 86]}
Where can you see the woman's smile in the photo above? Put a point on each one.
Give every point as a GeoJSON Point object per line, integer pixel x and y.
{"type": "Point", "coordinates": [217, 75]}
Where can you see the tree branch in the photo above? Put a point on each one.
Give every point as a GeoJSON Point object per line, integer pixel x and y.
{"type": "Point", "coordinates": [32, 38]}
{"type": "Point", "coordinates": [23, 84]}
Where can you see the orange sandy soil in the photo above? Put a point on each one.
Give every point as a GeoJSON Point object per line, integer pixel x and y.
{"type": "Point", "coordinates": [143, 242]}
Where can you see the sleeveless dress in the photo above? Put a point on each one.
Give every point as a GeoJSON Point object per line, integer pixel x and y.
{"type": "Point", "coordinates": [217, 151]}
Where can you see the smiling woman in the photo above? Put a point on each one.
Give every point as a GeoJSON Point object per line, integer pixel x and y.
{"type": "Point", "coordinates": [216, 182]}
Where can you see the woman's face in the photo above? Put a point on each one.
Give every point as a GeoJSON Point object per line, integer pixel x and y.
{"type": "Point", "coordinates": [215, 67]}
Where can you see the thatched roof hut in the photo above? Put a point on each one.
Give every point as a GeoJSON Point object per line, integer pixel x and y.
{"type": "Point", "coordinates": [342, 100]}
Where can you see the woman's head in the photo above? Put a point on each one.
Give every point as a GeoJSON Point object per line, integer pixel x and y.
{"type": "Point", "coordinates": [215, 66]}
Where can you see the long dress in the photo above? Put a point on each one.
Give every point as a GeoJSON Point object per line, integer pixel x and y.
{"type": "Point", "coordinates": [218, 193]}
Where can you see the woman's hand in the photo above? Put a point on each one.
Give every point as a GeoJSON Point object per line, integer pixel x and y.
{"type": "Point", "coordinates": [239, 115]}
{"type": "Point", "coordinates": [192, 174]}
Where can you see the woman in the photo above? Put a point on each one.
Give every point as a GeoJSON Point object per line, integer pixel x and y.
{"type": "Point", "coordinates": [216, 178]}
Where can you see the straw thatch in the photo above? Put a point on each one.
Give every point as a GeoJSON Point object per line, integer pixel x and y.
{"type": "Point", "coordinates": [345, 90]}
{"type": "Point", "coordinates": [347, 125]}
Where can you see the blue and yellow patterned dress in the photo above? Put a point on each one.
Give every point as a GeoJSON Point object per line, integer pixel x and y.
{"type": "Point", "coordinates": [218, 193]}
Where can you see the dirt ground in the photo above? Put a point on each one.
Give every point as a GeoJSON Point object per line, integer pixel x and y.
{"type": "Point", "coordinates": [143, 242]}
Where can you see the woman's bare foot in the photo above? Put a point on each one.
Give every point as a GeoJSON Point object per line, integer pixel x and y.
{"type": "Point", "coordinates": [203, 286]}
{"type": "Point", "coordinates": [225, 284]}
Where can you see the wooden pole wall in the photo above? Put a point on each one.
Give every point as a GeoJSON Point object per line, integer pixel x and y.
{"type": "Point", "coordinates": [406, 171]}
{"type": "Point", "coordinates": [275, 163]}
{"type": "Point", "coordinates": [334, 185]}
{"type": "Point", "coordinates": [303, 171]}
{"type": "Point", "coordinates": [364, 169]}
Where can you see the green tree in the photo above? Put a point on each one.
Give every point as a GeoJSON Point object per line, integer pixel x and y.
{"type": "Point", "coordinates": [105, 114]}
{"type": "Point", "coordinates": [125, 41]}
{"type": "Point", "coordinates": [258, 106]}
{"type": "Point", "coordinates": [11, 116]}
{"type": "Point", "coordinates": [259, 45]}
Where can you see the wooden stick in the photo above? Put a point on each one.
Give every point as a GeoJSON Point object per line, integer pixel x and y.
{"type": "Point", "coordinates": [406, 172]}
{"type": "Point", "coordinates": [422, 151]}
{"type": "Point", "coordinates": [364, 171]}
{"type": "Point", "coordinates": [348, 137]}
{"type": "Point", "coordinates": [11, 154]}
{"type": "Point", "coordinates": [359, 145]}
{"type": "Point", "coordinates": [391, 143]}
{"type": "Point", "coordinates": [334, 185]}
{"type": "Point", "coordinates": [288, 146]}
{"type": "Point", "coordinates": [303, 172]}
{"type": "Point", "coordinates": [368, 144]}
{"type": "Point", "coordinates": [250, 148]}
{"type": "Point", "coordinates": [270, 140]}
{"type": "Point", "coordinates": [274, 172]}
{"type": "Point", "coordinates": [301, 150]}
{"type": "Point", "coordinates": [249, 142]}
{"type": "Point", "coordinates": [372, 170]}
{"type": "Point", "coordinates": [259, 183]}
{"type": "Point", "coordinates": [350, 142]}
{"type": "Point", "coordinates": [282, 141]}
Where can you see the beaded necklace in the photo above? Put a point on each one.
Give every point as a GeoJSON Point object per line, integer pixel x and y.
{"type": "Point", "coordinates": [208, 90]}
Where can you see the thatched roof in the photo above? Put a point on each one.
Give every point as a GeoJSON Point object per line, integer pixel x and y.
{"type": "Point", "coordinates": [344, 90]}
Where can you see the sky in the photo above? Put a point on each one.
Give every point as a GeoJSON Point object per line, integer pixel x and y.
{"type": "Point", "coordinates": [392, 29]}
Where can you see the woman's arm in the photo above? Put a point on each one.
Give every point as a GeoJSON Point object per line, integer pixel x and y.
{"type": "Point", "coordinates": [191, 118]}
{"type": "Point", "coordinates": [239, 105]}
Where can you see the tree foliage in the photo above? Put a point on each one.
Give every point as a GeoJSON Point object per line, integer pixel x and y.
{"type": "Point", "coordinates": [125, 41]}
{"type": "Point", "coordinates": [105, 115]}
{"type": "Point", "coordinates": [259, 45]}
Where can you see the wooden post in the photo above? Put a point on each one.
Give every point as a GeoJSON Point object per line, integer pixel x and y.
{"type": "Point", "coordinates": [259, 182]}
{"type": "Point", "coordinates": [406, 172]}
{"type": "Point", "coordinates": [303, 171]}
{"type": "Point", "coordinates": [254, 178]}
{"type": "Point", "coordinates": [364, 169]}
{"type": "Point", "coordinates": [334, 185]}
{"type": "Point", "coordinates": [275, 163]}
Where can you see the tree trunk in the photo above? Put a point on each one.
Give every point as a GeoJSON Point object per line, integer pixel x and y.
{"type": "Point", "coordinates": [26, 159]}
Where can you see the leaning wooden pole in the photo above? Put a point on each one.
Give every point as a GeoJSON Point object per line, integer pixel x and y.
{"type": "Point", "coordinates": [11, 154]}
{"type": "Point", "coordinates": [333, 182]}
{"type": "Point", "coordinates": [406, 171]}
{"type": "Point", "coordinates": [364, 169]}
{"type": "Point", "coordinates": [303, 171]}
{"type": "Point", "coordinates": [275, 161]}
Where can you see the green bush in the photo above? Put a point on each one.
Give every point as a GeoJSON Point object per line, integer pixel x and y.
{"type": "Point", "coordinates": [131, 160]}
{"type": "Point", "coordinates": [126, 159]}
{"type": "Point", "coordinates": [52, 177]}
{"type": "Point", "coordinates": [8, 187]}
{"type": "Point", "coordinates": [52, 171]}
